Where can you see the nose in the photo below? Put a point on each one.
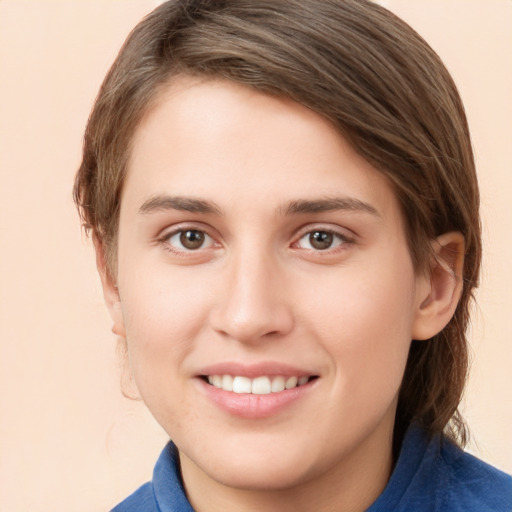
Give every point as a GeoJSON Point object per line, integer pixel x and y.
{"type": "Point", "coordinates": [253, 303]}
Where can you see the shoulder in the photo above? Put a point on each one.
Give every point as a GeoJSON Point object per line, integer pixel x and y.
{"type": "Point", "coordinates": [471, 484]}
{"type": "Point", "coordinates": [435, 475]}
{"type": "Point", "coordinates": [142, 499]}
{"type": "Point", "coordinates": [165, 492]}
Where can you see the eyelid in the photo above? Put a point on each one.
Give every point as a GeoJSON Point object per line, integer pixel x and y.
{"type": "Point", "coordinates": [167, 233]}
{"type": "Point", "coordinates": [328, 228]}
{"type": "Point", "coordinates": [206, 242]}
{"type": "Point", "coordinates": [347, 236]}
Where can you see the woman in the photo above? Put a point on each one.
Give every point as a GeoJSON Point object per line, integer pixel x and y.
{"type": "Point", "coordinates": [283, 201]}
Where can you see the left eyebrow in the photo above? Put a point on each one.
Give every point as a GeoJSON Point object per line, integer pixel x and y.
{"type": "Point", "coordinates": [185, 204]}
{"type": "Point", "coordinates": [326, 205]}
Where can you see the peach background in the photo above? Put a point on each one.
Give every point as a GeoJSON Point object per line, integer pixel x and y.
{"type": "Point", "coordinates": [68, 439]}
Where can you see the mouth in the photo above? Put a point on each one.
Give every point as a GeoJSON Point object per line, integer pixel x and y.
{"type": "Point", "coordinates": [256, 391]}
{"type": "Point", "coordinates": [261, 385]}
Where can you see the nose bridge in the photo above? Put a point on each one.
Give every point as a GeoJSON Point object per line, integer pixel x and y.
{"type": "Point", "coordinates": [253, 302]}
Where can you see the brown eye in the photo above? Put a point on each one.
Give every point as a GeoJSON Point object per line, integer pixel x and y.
{"type": "Point", "coordinates": [189, 240]}
{"type": "Point", "coordinates": [192, 239]}
{"type": "Point", "coordinates": [321, 240]}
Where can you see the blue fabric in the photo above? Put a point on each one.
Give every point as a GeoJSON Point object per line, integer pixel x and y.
{"type": "Point", "coordinates": [438, 476]}
{"type": "Point", "coordinates": [430, 476]}
{"type": "Point", "coordinates": [164, 493]}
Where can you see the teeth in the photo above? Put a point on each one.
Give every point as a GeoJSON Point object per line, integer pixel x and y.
{"type": "Point", "coordinates": [258, 386]}
{"type": "Point", "coordinates": [291, 382]}
{"type": "Point", "coordinates": [242, 385]}
{"type": "Point", "coordinates": [227, 382]}
{"type": "Point", "coordinates": [261, 386]}
{"type": "Point", "coordinates": [303, 380]}
{"type": "Point", "coordinates": [277, 384]}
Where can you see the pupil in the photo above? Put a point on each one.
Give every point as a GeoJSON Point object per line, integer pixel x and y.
{"type": "Point", "coordinates": [321, 240]}
{"type": "Point", "coordinates": [192, 239]}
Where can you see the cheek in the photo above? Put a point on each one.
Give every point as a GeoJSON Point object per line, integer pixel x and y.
{"type": "Point", "coordinates": [364, 323]}
{"type": "Point", "coordinates": [162, 324]}
{"type": "Point", "coordinates": [163, 315]}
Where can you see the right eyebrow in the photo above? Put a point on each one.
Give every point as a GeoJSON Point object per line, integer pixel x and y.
{"type": "Point", "coordinates": [185, 204]}
{"type": "Point", "coordinates": [327, 204]}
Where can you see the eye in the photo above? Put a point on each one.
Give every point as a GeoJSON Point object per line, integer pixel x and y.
{"type": "Point", "coordinates": [189, 240]}
{"type": "Point", "coordinates": [321, 240]}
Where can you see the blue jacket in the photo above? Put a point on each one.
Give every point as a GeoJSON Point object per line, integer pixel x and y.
{"type": "Point", "coordinates": [430, 476]}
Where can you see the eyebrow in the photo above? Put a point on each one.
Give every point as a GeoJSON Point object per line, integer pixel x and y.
{"type": "Point", "coordinates": [185, 204]}
{"type": "Point", "coordinates": [296, 207]}
{"type": "Point", "coordinates": [328, 204]}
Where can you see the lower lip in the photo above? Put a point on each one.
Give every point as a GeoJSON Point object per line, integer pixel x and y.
{"type": "Point", "coordinates": [252, 406]}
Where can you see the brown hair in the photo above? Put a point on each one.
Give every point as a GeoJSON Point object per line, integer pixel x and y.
{"type": "Point", "coordinates": [359, 66]}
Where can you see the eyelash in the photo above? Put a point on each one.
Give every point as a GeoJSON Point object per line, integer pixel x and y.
{"type": "Point", "coordinates": [165, 240]}
{"type": "Point", "coordinates": [343, 240]}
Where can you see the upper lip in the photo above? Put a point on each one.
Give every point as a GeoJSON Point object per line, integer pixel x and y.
{"type": "Point", "coordinates": [269, 368]}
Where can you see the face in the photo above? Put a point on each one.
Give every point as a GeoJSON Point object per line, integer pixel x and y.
{"type": "Point", "coordinates": [265, 288]}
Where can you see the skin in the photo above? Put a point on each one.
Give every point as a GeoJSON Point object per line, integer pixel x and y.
{"type": "Point", "coordinates": [257, 291]}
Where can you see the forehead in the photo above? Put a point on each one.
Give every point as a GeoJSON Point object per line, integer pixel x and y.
{"type": "Point", "coordinates": [225, 142]}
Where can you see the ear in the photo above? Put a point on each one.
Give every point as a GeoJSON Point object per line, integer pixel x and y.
{"type": "Point", "coordinates": [439, 292]}
{"type": "Point", "coordinates": [110, 291]}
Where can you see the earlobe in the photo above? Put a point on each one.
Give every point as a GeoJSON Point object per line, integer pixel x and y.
{"type": "Point", "coordinates": [440, 291]}
{"type": "Point", "coordinates": [110, 290]}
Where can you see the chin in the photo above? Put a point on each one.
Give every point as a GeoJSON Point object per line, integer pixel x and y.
{"type": "Point", "coordinates": [270, 476]}
{"type": "Point", "coordinates": [266, 466]}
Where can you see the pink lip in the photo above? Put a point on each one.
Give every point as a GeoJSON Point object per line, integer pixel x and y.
{"type": "Point", "coordinates": [270, 369]}
{"type": "Point", "coordinates": [251, 406]}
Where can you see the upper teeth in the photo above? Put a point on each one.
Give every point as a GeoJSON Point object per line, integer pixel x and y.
{"type": "Point", "coordinates": [257, 386]}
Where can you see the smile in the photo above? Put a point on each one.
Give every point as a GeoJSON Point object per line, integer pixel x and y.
{"type": "Point", "coordinates": [262, 385]}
